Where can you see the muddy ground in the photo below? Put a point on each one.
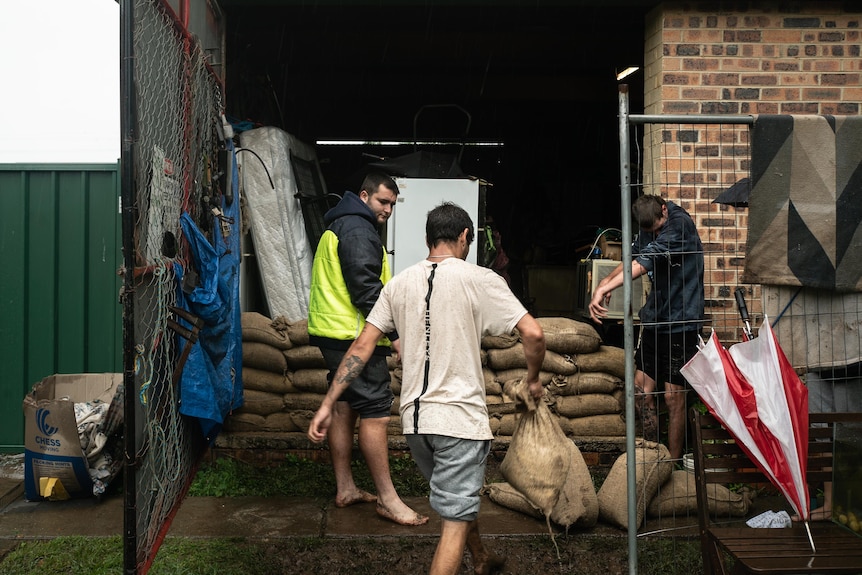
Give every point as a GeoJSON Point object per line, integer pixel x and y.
{"type": "Point", "coordinates": [579, 553]}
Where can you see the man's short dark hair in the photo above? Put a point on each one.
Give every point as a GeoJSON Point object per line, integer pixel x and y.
{"type": "Point", "coordinates": [647, 210]}
{"type": "Point", "coordinates": [374, 180]}
{"type": "Point", "coordinates": [446, 222]}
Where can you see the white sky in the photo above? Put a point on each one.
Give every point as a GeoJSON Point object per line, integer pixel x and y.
{"type": "Point", "coordinates": [60, 87]}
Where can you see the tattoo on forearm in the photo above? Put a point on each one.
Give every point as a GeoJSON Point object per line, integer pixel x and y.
{"type": "Point", "coordinates": [353, 366]}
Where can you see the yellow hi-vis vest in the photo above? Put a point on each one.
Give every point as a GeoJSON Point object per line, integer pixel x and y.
{"type": "Point", "coordinates": [331, 314]}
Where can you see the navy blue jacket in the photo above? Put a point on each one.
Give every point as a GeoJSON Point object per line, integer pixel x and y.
{"type": "Point", "coordinates": [673, 259]}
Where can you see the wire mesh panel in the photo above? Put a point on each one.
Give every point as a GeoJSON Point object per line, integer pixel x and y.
{"type": "Point", "coordinates": [177, 164]}
{"type": "Point", "coordinates": [688, 165]}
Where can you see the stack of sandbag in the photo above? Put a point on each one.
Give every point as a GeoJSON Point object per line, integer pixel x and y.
{"type": "Point", "coordinates": [267, 381]}
{"type": "Point", "coordinates": [583, 377]}
{"type": "Point", "coordinates": [285, 378]}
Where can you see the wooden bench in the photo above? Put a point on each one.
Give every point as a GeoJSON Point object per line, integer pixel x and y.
{"type": "Point", "coordinates": [768, 550]}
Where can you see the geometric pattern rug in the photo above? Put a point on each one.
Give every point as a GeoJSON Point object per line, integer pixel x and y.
{"type": "Point", "coordinates": [805, 209]}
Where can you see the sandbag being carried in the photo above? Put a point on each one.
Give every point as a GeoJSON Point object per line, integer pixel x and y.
{"type": "Point", "coordinates": [548, 468]}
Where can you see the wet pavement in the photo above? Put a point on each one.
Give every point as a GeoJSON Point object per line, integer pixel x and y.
{"type": "Point", "coordinates": [261, 518]}
{"type": "Point", "coordinates": [247, 517]}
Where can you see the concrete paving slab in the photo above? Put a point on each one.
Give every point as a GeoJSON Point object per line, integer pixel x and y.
{"type": "Point", "coordinates": [10, 490]}
{"type": "Point", "coordinates": [249, 517]}
{"type": "Point", "coordinates": [48, 519]}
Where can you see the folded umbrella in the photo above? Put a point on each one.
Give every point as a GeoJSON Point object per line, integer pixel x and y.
{"type": "Point", "coordinates": [754, 392]}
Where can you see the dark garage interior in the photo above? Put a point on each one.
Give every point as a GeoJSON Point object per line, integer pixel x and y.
{"type": "Point", "coordinates": [535, 78]}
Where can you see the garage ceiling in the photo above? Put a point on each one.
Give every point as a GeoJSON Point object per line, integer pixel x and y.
{"type": "Point", "coordinates": [537, 76]}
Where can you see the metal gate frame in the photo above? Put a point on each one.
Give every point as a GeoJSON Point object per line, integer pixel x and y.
{"type": "Point", "coordinates": [626, 121]}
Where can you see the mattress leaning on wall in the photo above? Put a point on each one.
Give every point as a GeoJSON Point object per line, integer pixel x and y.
{"type": "Point", "coordinates": [284, 254]}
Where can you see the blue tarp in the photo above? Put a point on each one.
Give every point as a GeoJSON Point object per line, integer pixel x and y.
{"type": "Point", "coordinates": [211, 383]}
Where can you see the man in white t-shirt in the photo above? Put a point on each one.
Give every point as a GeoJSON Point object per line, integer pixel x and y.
{"type": "Point", "coordinates": [441, 307]}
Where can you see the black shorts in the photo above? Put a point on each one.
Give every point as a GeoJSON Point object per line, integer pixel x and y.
{"type": "Point", "coordinates": [661, 355]}
{"type": "Point", "coordinates": [370, 394]}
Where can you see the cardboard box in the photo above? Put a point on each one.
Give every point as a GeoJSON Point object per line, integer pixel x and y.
{"type": "Point", "coordinates": [52, 447]}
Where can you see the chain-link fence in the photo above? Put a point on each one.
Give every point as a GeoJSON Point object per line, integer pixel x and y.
{"type": "Point", "coordinates": [173, 160]}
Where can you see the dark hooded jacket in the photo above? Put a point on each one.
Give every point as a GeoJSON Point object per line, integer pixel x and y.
{"type": "Point", "coordinates": [349, 270]}
{"type": "Point", "coordinates": [673, 258]}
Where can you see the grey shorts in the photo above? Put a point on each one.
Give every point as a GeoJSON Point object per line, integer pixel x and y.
{"type": "Point", "coordinates": [370, 394]}
{"type": "Point", "coordinates": [455, 469]}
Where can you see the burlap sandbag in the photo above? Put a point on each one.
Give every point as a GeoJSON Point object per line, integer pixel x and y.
{"type": "Point", "coordinates": [297, 331]}
{"type": "Point", "coordinates": [507, 424]}
{"type": "Point", "coordinates": [238, 422]}
{"type": "Point", "coordinates": [578, 504]}
{"type": "Point", "coordinates": [607, 359]}
{"type": "Point", "coordinates": [513, 357]}
{"type": "Point", "coordinates": [263, 356]}
{"type": "Point", "coordinates": [259, 328]}
{"type": "Point", "coordinates": [569, 336]}
{"type": "Point", "coordinates": [506, 406]}
{"type": "Point", "coordinates": [279, 422]}
{"type": "Point", "coordinates": [395, 380]}
{"type": "Point", "coordinates": [302, 418]}
{"type": "Point", "coordinates": [492, 386]}
{"type": "Point", "coordinates": [536, 462]}
{"type": "Point", "coordinates": [518, 373]}
{"type": "Point", "coordinates": [504, 494]}
{"type": "Point", "coordinates": [494, 423]}
{"type": "Point", "coordinates": [678, 496]}
{"type": "Point", "coordinates": [261, 402]}
{"type": "Point", "coordinates": [499, 341]}
{"type": "Point", "coordinates": [304, 357]}
{"type": "Point", "coordinates": [548, 468]}
{"type": "Point", "coordinates": [260, 380]}
{"type": "Point", "coordinates": [611, 425]}
{"type": "Point", "coordinates": [313, 380]}
{"type": "Point", "coordinates": [654, 468]}
{"type": "Point", "coordinates": [585, 382]}
{"type": "Point", "coordinates": [587, 404]}
{"type": "Point", "coordinates": [494, 399]}
{"type": "Point", "coordinates": [304, 401]}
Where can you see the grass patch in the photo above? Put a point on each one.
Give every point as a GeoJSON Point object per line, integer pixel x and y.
{"type": "Point", "coordinates": [299, 477]}
{"type": "Point", "coordinates": [104, 556]}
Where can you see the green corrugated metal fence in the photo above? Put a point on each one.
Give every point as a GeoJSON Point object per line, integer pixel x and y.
{"type": "Point", "coordinates": [60, 250]}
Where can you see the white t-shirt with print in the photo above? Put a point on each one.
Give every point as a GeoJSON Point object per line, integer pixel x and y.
{"type": "Point", "coordinates": [467, 302]}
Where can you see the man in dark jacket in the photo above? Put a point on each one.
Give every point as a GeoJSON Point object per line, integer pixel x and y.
{"type": "Point", "coordinates": [669, 250]}
{"type": "Point", "coordinates": [349, 270]}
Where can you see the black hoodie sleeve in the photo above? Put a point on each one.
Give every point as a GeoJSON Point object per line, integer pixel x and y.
{"type": "Point", "coordinates": [361, 253]}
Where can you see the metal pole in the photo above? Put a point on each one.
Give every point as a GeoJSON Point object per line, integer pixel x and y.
{"type": "Point", "coordinates": [628, 326]}
{"type": "Point", "coordinates": [128, 122]}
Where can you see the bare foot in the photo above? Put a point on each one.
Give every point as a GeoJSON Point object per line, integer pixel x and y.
{"type": "Point", "coordinates": [358, 496]}
{"type": "Point", "coordinates": [405, 517]}
{"type": "Point", "coordinates": [491, 565]}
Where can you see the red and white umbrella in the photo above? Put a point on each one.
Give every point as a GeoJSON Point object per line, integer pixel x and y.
{"type": "Point", "coordinates": [754, 392]}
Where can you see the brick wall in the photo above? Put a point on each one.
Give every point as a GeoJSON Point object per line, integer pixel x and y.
{"type": "Point", "coordinates": [760, 61]}
{"type": "Point", "coordinates": [737, 58]}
